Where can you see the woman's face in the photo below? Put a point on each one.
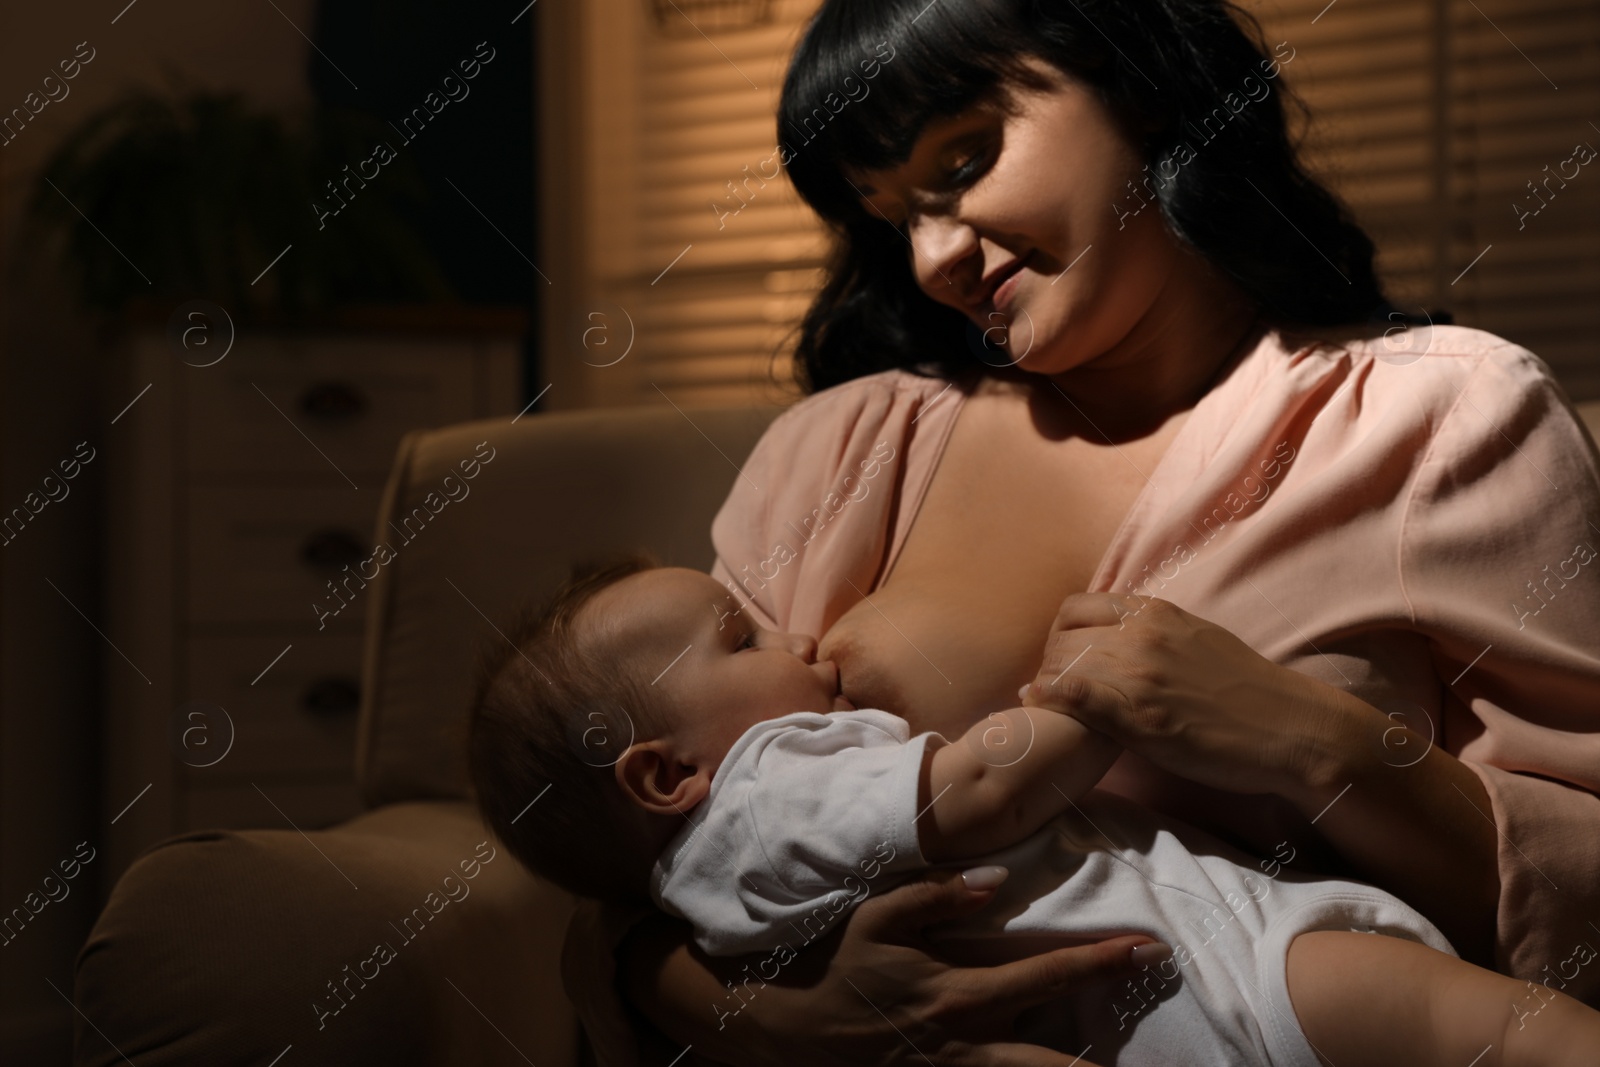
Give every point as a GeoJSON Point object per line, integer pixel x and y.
{"type": "Point", "coordinates": [1046, 188]}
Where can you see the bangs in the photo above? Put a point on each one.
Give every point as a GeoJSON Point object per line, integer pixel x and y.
{"type": "Point", "coordinates": [867, 78]}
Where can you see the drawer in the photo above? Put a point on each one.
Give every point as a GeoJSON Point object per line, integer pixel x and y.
{"type": "Point", "coordinates": [266, 554]}
{"type": "Point", "coordinates": [298, 719]}
{"type": "Point", "coordinates": [285, 806]}
{"type": "Point", "coordinates": [334, 402]}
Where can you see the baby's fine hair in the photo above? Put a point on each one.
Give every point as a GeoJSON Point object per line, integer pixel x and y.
{"type": "Point", "coordinates": [550, 717]}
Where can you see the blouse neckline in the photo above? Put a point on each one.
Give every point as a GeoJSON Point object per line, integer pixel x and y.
{"type": "Point", "coordinates": [1232, 375]}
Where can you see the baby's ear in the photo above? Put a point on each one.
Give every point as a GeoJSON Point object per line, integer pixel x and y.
{"type": "Point", "coordinates": [652, 778]}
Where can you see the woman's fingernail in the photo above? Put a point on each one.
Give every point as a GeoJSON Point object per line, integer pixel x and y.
{"type": "Point", "coordinates": [978, 878]}
{"type": "Point", "coordinates": [1022, 694]}
{"type": "Point", "coordinates": [1145, 955]}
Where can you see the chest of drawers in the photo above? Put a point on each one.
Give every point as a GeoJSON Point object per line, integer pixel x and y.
{"type": "Point", "coordinates": [235, 493]}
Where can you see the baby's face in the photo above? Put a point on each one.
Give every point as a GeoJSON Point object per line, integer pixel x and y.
{"type": "Point", "coordinates": [718, 671]}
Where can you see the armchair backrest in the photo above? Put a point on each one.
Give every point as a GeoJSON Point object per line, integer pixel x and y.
{"type": "Point", "coordinates": [480, 517]}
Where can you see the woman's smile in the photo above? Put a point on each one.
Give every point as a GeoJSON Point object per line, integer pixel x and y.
{"type": "Point", "coordinates": [1011, 277]}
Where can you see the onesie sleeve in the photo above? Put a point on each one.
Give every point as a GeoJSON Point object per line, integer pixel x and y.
{"type": "Point", "coordinates": [1499, 566]}
{"type": "Point", "coordinates": [808, 815]}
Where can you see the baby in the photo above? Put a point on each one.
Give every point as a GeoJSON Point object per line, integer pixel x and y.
{"type": "Point", "coordinates": [713, 766]}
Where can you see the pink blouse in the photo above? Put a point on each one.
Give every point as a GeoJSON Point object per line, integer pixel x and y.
{"type": "Point", "coordinates": [1420, 530]}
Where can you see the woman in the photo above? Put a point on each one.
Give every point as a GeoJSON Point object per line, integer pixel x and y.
{"type": "Point", "coordinates": [1090, 329]}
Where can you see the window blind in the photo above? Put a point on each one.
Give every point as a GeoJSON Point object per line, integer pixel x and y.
{"type": "Point", "coordinates": [743, 249]}
{"type": "Point", "coordinates": [1365, 69]}
{"type": "Point", "coordinates": [1525, 94]}
{"type": "Point", "coordinates": [1428, 116]}
{"type": "Point", "coordinates": [693, 246]}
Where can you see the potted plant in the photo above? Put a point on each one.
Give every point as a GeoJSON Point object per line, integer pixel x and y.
{"type": "Point", "coordinates": [160, 198]}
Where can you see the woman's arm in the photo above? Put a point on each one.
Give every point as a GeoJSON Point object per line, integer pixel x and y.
{"type": "Point", "coordinates": [1422, 830]}
{"type": "Point", "coordinates": [1195, 700]}
{"type": "Point", "coordinates": [1006, 777]}
{"type": "Point", "coordinates": [870, 993]}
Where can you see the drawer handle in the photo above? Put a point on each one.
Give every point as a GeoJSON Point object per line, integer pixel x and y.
{"type": "Point", "coordinates": [333, 401]}
{"type": "Point", "coordinates": [331, 696]}
{"type": "Point", "coordinates": [331, 550]}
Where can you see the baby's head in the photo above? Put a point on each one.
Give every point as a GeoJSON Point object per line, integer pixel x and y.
{"type": "Point", "coordinates": [620, 697]}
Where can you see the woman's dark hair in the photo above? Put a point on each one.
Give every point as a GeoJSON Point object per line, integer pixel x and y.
{"type": "Point", "coordinates": [1240, 198]}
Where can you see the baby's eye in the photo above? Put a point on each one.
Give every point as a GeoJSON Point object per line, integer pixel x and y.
{"type": "Point", "coordinates": [747, 641]}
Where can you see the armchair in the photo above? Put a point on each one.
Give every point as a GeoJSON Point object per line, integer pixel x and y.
{"type": "Point", "coordinates": [407, 935]}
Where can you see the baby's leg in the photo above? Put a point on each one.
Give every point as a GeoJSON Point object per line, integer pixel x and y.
{"type": "Point", "coordinates": [1369, 1000]}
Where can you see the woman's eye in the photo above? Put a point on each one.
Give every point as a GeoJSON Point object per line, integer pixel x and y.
{"type": "Point", "coordinates": [967, 170]}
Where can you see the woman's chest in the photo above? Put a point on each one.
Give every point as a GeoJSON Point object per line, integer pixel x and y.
{"type": "Point", "coordinates": [1012, 522]}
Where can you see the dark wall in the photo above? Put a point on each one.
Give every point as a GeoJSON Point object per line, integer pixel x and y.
{"type": "Point", "coordinates": [479, 143]}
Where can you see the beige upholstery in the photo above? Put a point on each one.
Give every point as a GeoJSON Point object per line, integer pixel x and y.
{"type": "Point", "coordinates": [216, 947]}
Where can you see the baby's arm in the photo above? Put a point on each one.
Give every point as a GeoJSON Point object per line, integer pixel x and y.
{"type": "Point", "coordinates": [1370, 1000]}
{"type": "Point", "coordinates": [1003, 779]}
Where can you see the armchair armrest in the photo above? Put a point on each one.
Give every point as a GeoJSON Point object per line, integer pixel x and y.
{"type": "Point", "coordinates": [404, 936]}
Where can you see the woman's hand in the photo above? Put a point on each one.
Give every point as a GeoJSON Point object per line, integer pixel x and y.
{"type": "Point", "coordinates": [878, 995]}
{"type": "Point", "coordinates": [1195, 700]}
{"type": "Point", "coordinates": [1198, 702]}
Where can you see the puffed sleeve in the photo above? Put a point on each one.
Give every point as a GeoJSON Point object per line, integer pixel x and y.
{"type": "Point", "coordinates": [810, 521]}
{"type": "Point", "coordinates": [1499, 566]}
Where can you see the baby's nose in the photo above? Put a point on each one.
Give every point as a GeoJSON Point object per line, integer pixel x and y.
{"type": "Point", "coordinates": [804, 646]}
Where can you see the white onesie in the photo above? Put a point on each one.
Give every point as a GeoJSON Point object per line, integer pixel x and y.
{"type": "Point", "coordinates": [810, 813]}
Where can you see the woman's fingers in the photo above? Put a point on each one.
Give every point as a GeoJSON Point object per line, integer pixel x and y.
{"type": "Point", "coordinates": [1092, 702]}
{"type": "Point", "coordinates": [1036, 979]}
{"type": "Point", "coordinates": [929, 1009]}
{"type": "Point", "coordinates": [1193, 698]}
{"type": "Point", "coordinates": [1097, 609]}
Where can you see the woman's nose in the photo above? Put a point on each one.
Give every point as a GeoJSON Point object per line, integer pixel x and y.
{"type": "Point", "coordinates": [939, 243]}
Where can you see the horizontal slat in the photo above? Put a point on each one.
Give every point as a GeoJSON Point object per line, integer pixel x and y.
{"type": "Point", "coordinates": [669, 53]}
{"type": "Point", "coordinates": [720, 162]}
{"type": "Point", "coordinates": [744, 249]}
{"type": "Point", "coordinates": [776, 197]}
